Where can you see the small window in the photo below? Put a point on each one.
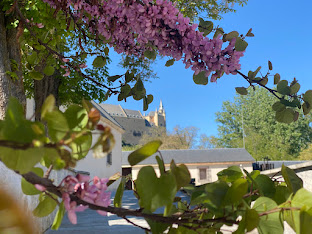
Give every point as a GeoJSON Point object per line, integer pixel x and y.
{"type": "Point", "coordinates": [202, 173]}
{"type": "Point", "coordinates": [109, 159]}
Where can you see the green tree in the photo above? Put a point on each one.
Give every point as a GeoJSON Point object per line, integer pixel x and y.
{"type": "Point", "coordinates": [179, 138]}
{"type": "Point", "coordinates": [252, 116]}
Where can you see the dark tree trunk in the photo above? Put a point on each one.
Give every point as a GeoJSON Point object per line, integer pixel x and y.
{"type": "Point", "coordinates": [9, 51]}
{"type": "Point", "coordinates": [43, 88]}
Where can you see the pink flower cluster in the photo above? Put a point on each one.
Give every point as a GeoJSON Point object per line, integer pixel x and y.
{"type": "Point", "coordinates": [137, 26]}
{"type": "Point", "coordinates": [93, 193]}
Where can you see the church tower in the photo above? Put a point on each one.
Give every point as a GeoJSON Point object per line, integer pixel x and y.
{"type": "Point", "coordinates": [161, 116]}
{"type": "Point", "coordinates": [157, 117]}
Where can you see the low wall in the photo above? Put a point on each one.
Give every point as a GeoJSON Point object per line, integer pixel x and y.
{"type": "Point", "coordinates": [11, 182]}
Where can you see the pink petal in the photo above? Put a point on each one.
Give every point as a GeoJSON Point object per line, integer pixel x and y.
{"type": "Point", "coordinates": [72, 216]}
{"type": "Point", "coordinates": [40, 187]}
{"type": "Point", "coordinates": [102, 212]}
{"type": "Point", "coordinates": [81, 208]}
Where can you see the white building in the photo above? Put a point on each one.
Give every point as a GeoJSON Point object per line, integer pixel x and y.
{"type": "Point", "coordinates": [202, 164]}
{"type": "Point", "coordinates": [109, 164]}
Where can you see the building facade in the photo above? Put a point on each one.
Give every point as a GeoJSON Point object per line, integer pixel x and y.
{"type": "Point", "coordinates": [134, 123]}
{"type": "Point", "coordinates": [203, 165]}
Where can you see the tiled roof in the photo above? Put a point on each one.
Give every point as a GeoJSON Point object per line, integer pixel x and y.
{"type": "Point", "coordinates": [197, 156]}
{"type": "Point", "coordinates": [133, 113]}
{"type": "Point", "coordinates": [113, 110]}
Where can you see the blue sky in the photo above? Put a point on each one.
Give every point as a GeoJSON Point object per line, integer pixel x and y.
{"type": "Point", "coordinates": [282, 35]}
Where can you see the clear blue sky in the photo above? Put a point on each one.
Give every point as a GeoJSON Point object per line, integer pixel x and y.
{"type": "Point", "coordinates": [282, 35]}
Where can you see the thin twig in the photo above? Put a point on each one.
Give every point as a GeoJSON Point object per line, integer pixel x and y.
{"type": "Point", "coordinates": [47, 174]}
{"type": "Point", "coordinates": [134, 224]}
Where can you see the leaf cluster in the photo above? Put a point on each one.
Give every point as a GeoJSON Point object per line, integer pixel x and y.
{"type": "Point", "coordinates": [260, 202]}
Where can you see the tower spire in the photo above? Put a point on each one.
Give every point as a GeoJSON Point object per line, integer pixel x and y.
{"type": "Point", "coordinates": [161, 105]}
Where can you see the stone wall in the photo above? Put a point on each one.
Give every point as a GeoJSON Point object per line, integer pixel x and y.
{"type": "Point", "coordinates": [11, 182]}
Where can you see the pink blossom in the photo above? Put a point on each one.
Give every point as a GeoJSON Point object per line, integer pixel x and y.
{"type": "Point", "coordinates": [133, 27]}
{"type": "Point", "coordinates": [81, 186]}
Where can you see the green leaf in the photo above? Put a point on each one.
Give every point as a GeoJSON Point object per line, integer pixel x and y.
{"type": "Point", "coordinates": [216, 194]}
{"type": "Point", "coordinates": [231, 35]}
{"type": "Point", "coordinates": [139, 86]}
{"type": "Point", "coordinates": [22, 161]}
{"type": "Point", "coordinates": [278, 106]}
{"type": "Point", "coordinates": [36, 75]}
{"type": "Point", "coordinates": [119, 193]}
{"type": "Point", "coordinates": [307, 97]}
{"type": "Point", "coordinates": [129, 76]}
{"type": "Point", "coordinates": [264, 81]}
{"type": "Point", "coordinates": [28, 188]}
{"type": "Point", "coordinates": [48, 70]}
{"type": "Point", "coordinates": [106, 50]}
{"type": "Point", "coordinates": [149, 98]}
{"type": "Point", "coordinates": [77, 117]}
{"type": "Point", "coordinates": [302, 199]}
{"type": "Point", "coordinates": [155, 192]}
{"type": "Point", "coordinates": [281, 195]}
{"type": "Point", "coordinates": [45, 207]}
{"type": "Point", "coordinates": [99, 61]}
{"type": "Point", "coordinates": [57, 125]}
{"type": "Point", "coordinates": [181, 173]}
{"type": "Point", "coordinates": [285, 116]}
{"type": "Point", "coordinates": [265, 185]}
{"type": "Point", "coordinates": [240, 45]}
{"type": "Point", "coordinates": [144, 152]}
{"type": "Point", "coordinates": [294, 182]}
{"type": "Point", "coordinates": [241, 90]}
{"type": "Point", "coordinates": [113, 78]}
{"type": "Point", "coordinates": [150, 54]}
{"type": "Point", "coordinates": [249, 33]}
{"type": "Point", "coordinates": [170, 62]}
{"type": "Point", "coordinates": [157, 227]}
{"type": "Point", "coordinates": [283, 88]}
{"type": "Point", "coordinates": [124, 92]}
{"type": "Point", "coordinates": [218, 31]}
{"type": "Point", "coordinates": [145, 105]}
{"type": "Point", "coordinates": [81, 146]}
{"type": "Point", "coordinates": [200, 78]}
{"type": "Point", "coordinates": [270, 66]}
{"type": "Point", "coordinates": [277, 78]}
{"type": "Point", "coordinates": [15, 127]}
{"type": "Point", "coordinates": [306, 108]}
{"type": "Point", "coordinates": [48, 105]}
{"type": "Point", "coordinates": [237, 190]}
{"type": "Point", "coordinates": [205, 26]}
{"type": "Point", "coordinates": [230, 174]}
{"type": "Point", "coordinates": [294, 88]}
{"type": "Point", "coordinates": [305, 221]}
{"type": "Point", "coordinates": [270, 223]}
{"type": "Point", "coordinates": [58, 217]}
{"type": "Point", "coordinates": [32, 59]}
{"type": "Point", "coordinates": [252, 219]}
{"type": "Point", "coordinates": [161, 165]}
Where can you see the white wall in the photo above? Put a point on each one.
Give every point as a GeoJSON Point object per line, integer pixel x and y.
{"type": "Point", "coordinates": [194, 171]}
{"type": "Point", "coordinates": [99, 166]}
{"type": "Point", "coordinates": [11, 182]}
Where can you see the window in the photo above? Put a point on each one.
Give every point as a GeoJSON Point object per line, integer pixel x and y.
{"type": "Point", "coordinates": [109, 159]}
{"type": "Point", "coordinates": [205, 174]}
{"type": "Point", "coordinates": [202, 173]}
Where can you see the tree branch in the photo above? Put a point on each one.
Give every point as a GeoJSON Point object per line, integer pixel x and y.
{"type": "Point", "coordinates": [122, 212]}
